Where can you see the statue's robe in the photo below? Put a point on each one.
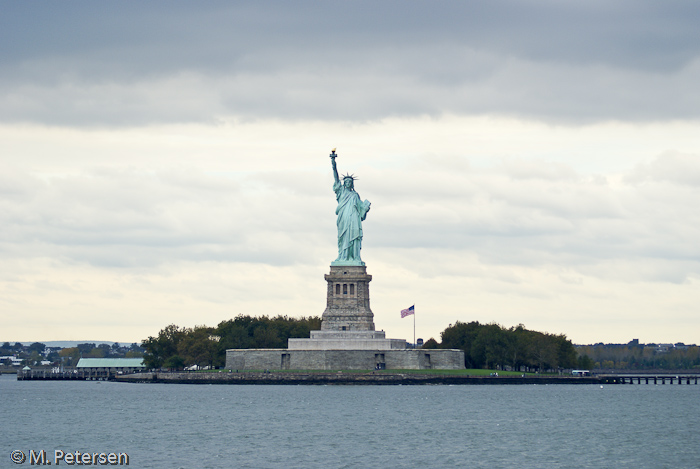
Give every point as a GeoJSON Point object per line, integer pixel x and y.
{"type": "Point", "coordinates": [351, 211]}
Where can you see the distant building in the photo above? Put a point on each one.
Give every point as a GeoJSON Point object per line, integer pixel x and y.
{"type": "Point", "coordinates": [12, 358]}
{"type": "Point", "coordinates": [664, 348]}
{"type": "Point", "coordinates": [113, 365]}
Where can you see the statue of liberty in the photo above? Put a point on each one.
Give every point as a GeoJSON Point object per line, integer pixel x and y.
{"type": "Point", "coordinates": [351, 212]}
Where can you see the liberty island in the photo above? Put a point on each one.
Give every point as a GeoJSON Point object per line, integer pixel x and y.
{"type": "Point", "coordinates": [347, 339]}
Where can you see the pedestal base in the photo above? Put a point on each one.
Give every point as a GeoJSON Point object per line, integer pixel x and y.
{"type": "Point", "coordinates": [272, 359]}
{"type": "Point", "coordinates": [346, 340]}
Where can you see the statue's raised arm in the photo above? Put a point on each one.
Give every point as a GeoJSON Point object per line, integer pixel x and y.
{"type": "Point", "coordinates": [351, 212]}
{"type": "Point", "coordinates": [335, 168]}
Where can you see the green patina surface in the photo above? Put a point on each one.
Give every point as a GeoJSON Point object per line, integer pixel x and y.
{"type": "Point", "coordinates": [351, 212]}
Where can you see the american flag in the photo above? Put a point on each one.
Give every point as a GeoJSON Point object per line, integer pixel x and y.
{"type": "Point", "coordinates": [408, 311]}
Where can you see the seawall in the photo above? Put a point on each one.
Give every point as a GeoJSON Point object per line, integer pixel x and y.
{"type": "Point", "coordinates": [369, 378]}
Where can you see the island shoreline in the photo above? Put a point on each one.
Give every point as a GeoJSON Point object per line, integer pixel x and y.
{"type": "Point", "coordinates": [335, 378]}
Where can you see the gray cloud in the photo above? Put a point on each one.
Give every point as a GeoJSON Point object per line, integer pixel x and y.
{"type": "Point", "coordinates": [520, 213]}
{"type": "Point", "coordinates": [124, 218]}
{"type": "Point", "coordinates": [133, 63]}
{"type": "Point", "coordinates": [557, 218]}
{"type": "Point", "coordinates": [672, 167]}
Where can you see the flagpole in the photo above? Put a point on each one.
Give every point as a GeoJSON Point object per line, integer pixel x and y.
{"type": "Point", "coordinates": [414, 325]}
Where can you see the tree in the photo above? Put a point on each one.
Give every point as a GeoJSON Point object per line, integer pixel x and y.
{"type": "Point", "coordinates": [493, 346]}
{"type": "Point", "coordinates": [430, 344]}
{"type": "Point", "coordinates": [544, 352]}
{"type": "Point", "coordinates": [70, 355]}
{"type": "Point", "coordinates": [584, 362]}
{"type": "Point", "coordinates": [266, 336]}
{"type": "Point", "coordinates": [176, 362]}
{"type": "Point", "coordinates": [85, 349]}
{"type": "Point", "coordinates": [518, 351]}
{"type": "Point", "coordinates": [34, 358]}
{"type": "Point", "coordinates": [134, 347]}
{"type": "Point", "coordinates": [460, 336]}
{"type": "Point", "coordinates": [95, 353]}
{"type": "Point", "coordinates": [199, 347]}
{"type": "Point", "coordinates": [566, 353]}
{"type": "Point", "coordinates": [159, 349]}
{"type": "Point", "coordinates": [37, 347]}
{"type": "Point", "coordinates": [490, 346]}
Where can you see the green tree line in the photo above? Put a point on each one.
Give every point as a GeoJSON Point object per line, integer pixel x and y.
{"type": "Point", "coordinates": [177, 348]}
{"type": "Point", "coordinates": [492, 346]}
{"type": "Point", "coordinates": [635, 356]}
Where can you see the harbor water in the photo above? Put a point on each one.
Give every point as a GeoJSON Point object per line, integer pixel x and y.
{"type": "Point", "coordinates": [225, 426]}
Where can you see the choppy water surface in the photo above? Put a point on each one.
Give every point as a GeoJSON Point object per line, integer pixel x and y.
{"type": "Point", "coordinates": [224, 426]}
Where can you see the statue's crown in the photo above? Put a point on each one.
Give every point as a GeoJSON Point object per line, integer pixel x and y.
{"type": "Point", "coordinates": [349, 176]}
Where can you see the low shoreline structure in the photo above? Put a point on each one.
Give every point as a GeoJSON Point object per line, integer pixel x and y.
{"type": "Point", "coordinates": [335, 378]}
{"type": "Point", "coordinates": [391, 377]}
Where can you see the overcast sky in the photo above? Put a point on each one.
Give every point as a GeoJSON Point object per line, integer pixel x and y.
{"type": "Point", "coordinates": [533, 162]}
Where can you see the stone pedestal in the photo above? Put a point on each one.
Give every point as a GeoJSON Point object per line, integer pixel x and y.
{"type": "Point", "coordinates": [348, 322]}
{"type": "Point", "coordinates": [347, 300]}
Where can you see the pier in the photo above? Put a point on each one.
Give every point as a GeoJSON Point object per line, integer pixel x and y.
{"type": "Point", "coordinates": [68, 375]}
{"type": "Point", "coordinates": [650, 379]}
